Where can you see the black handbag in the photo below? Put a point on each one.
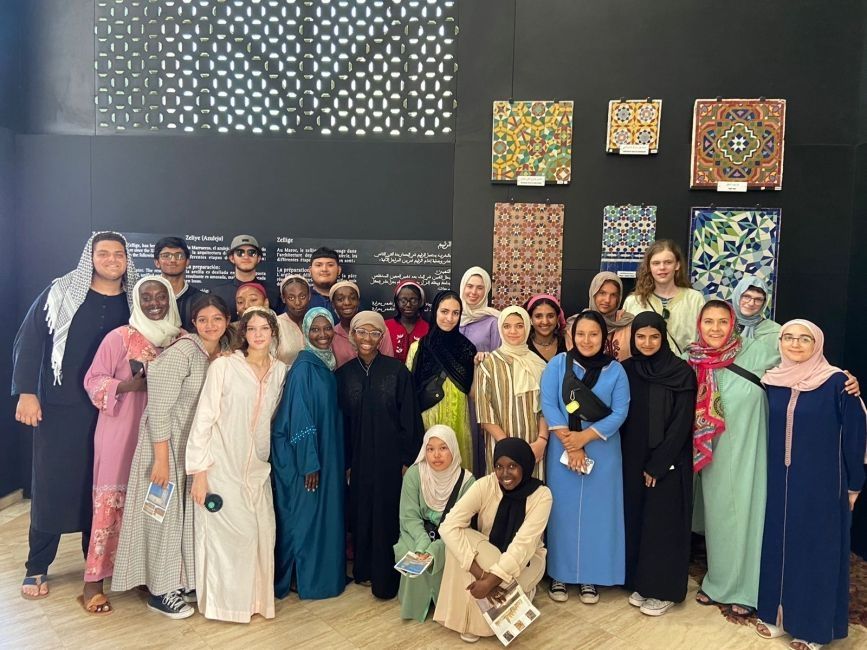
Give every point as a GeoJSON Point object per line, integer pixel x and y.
{"type": "Point", "coordinates": [582, 404]}
{"type": "Point", "coordinates": [431, 392]}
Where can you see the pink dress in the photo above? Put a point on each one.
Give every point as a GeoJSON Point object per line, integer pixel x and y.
{"type": "Point", "coordinates": [114, 441]}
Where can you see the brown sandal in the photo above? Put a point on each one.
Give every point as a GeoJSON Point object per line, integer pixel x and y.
{"type": "Point", "coordinates": [98, 605]}
{"type": "Point", "coordinates": [35, 581]}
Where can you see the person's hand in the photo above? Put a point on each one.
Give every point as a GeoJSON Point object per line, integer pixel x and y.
{"type": "Point", "coordinates": [483, 586]}
{"type": "Point", "coordinates": [480, 356]}
{"type": "Point", "coordinates": [649, 481]}
{"type": "Point", "coordinates": [852, 387]}
{"type": "Point", "coordinates": [28, 411]}
{"type": "Point", "coordinates": [311, 481]}
{"type": "Point", "coordinates": [160, 472]}
{"type": "Point", "coordinates": [200, 488]}
{"type": "Point", "coordinates": [497, 595]}
{"type": "Point", "coordinates": [538, 447]}
{"type": "Point", "coordinates": [571, 442]}
{"type": "Point", "coordinates": [853, 497]}
{"type": "Point", "coordinates": [137, 384]}
{"type": "Point", "coordinates": [422, 556]}
{"type": "Point", "coordinates": [403, 469]}
{"type": "Point", "coordinates": [577, 460]}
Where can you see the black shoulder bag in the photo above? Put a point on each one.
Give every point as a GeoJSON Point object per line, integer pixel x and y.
{"type": "Point", "coordinates": [582, 404]}
{"type": "Point", "coordinates": [746, 374]}
{"type": "Point", "coordinates": [431, 392]}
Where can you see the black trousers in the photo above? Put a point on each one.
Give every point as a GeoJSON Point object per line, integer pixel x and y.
{"type": "Point", "coordinates": [43, 550]}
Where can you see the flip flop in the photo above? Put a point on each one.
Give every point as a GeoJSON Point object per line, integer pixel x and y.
{"type": "Point", "coordinates": [95, 603]}
{"type": "Point", "coordinates": [748, 611]}
{"type": "Point", "coordinates": [707, 602]}
{"type": "Point", "coordinates": [35, 581]}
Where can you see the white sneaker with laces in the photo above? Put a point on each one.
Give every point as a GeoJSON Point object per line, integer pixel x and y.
{"type": "Point", "coordinates": [655, 607]}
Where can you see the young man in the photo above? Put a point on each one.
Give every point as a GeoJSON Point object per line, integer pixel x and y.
{"type": "Point", "coordinates": [171, 257]}
{"type": "Point", "coordinates": [324, 271]}
{"type": "Point", "coordinates": [245, 254]}
{"type": "Point", "coordinates": [53, 350]}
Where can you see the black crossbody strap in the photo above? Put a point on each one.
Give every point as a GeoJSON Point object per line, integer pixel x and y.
{"type": "Point", "coordinates": [453, 497]}
{"type": "Point", "coordinates": [746, 374]}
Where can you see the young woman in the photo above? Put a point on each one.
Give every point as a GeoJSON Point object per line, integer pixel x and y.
{"type": "Point", "coordinates": [606, 291]}
{"type": "Point", "coordinates": [512, 509]}
{"type": "Point", "coordinates": [345, 298]}
{"type": "Point", "coordinates": [548, 326]}
{"type": "Point", "coordinates": [161, 555]}
{"type": "Point", "coordinates": [478, 319]}
{"type": "Point", "coordinates": [383, 431]}
{"type": "Point", "coordinates": [507, 390]}
{"type": "Point", "coordinates": [250, 294]}
{"type": "Point", "coordinates": [749, 300]}
{"type": "Point", "coordinates": [431, 487]}
{"type": "Point", "coordinates": [227, 455]}
{"type": "Point", "coordinates": [309, 471]}
{"type": "Point", "coordinates": [442, 370]}
{"type": "Point", "coordinates": [585, 398]}
{"type": "Point", "coordinates": [815, 472]}
{"type": "Point", "coordinates": [661, 285]}
{"type": "Point", "coordinates": [407, 326]}
{"type": "Point", "coordinates": [296, 296]}
{"type": "Point", "coordinates": [117, 387]}
{"type": "Point", "coordinates": [656, 444]}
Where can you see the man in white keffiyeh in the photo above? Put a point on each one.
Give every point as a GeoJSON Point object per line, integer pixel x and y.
{"type": "Point", "coordinates": [53, 349]}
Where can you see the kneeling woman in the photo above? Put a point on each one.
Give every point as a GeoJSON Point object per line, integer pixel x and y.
{"type": "Point", "coordinates": [227, 454]}
{"type": "Point", "coordinates": [431, 487]}
{"type": "Point", "coordinates": [815, 472]}
{"type": "Point", "coordinates": [512, 509]}
{"type": "Point", "coordinates": [656, 441]}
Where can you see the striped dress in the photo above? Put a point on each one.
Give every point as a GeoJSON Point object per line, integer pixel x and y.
{"type": "Point", "coordinates": [497, 403]}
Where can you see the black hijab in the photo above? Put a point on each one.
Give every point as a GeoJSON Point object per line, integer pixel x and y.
{"type": "Point", "coordinates": [592, 365]}
{"type": "Point", "coordinates": [439, 351]}
{"type": "Point", "coordinates": [513, 507]}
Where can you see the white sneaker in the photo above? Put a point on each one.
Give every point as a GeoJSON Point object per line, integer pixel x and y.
{"type": "Point", "coordinates": [655, 607]}
{"type": "Point", "coordinates": [636, 599]}
{"type": "Point", "coordinates": [469, 638]}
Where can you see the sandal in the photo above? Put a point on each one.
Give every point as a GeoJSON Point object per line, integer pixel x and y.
{"type": "Point", "coordinates": [800, 644]}
{"type": "Point", "coordinates": [35, 581]}
{"type": "Point", "coordinates": [746, 610]}
{"type": "Point", "coordinates": [99, 605]}
{"type": "Point", "coordinates": [771, 631]}
{"type": "Point", "coordinates": [704, 600]}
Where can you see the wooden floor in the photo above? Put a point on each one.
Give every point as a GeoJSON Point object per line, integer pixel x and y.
{"type": "Point", "coordinates": [354, 620]}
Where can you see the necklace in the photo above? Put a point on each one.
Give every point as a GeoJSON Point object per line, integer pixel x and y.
{"type": "Point", "coordinates": [365, 368]}
{"type": "Point", "coordinates": [544, 345]}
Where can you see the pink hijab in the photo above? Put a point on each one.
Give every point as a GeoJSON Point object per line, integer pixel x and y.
{"type": "Point", "coordinates": [805, 375]}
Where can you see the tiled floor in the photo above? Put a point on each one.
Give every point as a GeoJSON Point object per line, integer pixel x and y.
{"type": "Point", "coordinates": [353, 620]}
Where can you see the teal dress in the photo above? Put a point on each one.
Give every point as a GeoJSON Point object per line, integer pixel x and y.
{"type": "Point", "coordinates": [307, 437]}
{"type": "Point", "coordinates": [416, 594]}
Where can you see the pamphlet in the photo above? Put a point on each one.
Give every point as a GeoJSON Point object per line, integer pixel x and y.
{"type": "Point", "coordinates": [157, 500]}
{"type": "Point", "coordinates": [412, 566]}
{"type": "Point", "coordinates": [510, 618]}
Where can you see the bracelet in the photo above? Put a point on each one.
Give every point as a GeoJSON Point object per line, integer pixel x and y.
{"type": "Point", "coordinates": [543, 437]}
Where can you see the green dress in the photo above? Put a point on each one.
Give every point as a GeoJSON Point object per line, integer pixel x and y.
{"type": "Point", "coordinates": [731, 490]}
{"type": "Point", "coordinates": [416, 594]}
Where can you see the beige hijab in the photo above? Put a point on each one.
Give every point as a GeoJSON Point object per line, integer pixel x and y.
{"type": "Point", "coordinates": [621, 318]}
{"type": "Point", "coordinates": [436, 487]}
{"type": "Point", "coordinates": [527, 367]}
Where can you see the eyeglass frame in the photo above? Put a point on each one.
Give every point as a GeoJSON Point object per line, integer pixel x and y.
{"type": "Point", "coordinates": [373, 335]}
{"type": "Point", "coordinates": [165, 257]}
{"type": "Point", "coordinates": [799, 338]}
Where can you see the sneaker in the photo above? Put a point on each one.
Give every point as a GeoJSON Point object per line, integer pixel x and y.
{"type": "Point", "coordinates": [189, 596]}
{"type": "Point", "coordinates": [588, 594]}
{"type": "Point", "coordinates": [557, 592]}
{"type": "Point", "coordinates": [171, 604]}
{"type": "Point", "coordinates": [654, 607]}
{"type": "Point", "coordinates": [469, 638]}
{"type": "Point", "coordinates": [636, 599]}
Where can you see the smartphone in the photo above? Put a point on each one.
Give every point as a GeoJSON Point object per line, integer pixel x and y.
{"type": "Point", "coordinates": [588, 462]}
{"type": "Point", "coordinates": [136, 367]}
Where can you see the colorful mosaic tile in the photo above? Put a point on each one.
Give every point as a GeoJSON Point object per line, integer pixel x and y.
{"type": "Point", "coordinates": [528, 251]}
{"type": "Point", "coordinates": [738, 140]}
{"type": "Point", "coordinates": [633, 122]}
{"type": "Point", "coordinates": [728, 242]}
{"type": "Point", "coordinates": [532, 139]}
{"type": "Point", "coordinates": [627, 231]}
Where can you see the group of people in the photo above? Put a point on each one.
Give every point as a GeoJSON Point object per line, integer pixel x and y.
{"type": "Point", "coordinates": [500, 445]}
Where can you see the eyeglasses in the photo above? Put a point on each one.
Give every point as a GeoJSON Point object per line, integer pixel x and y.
{"type": "Point", "coordinates": [803, 339]}
{"type": "Point", "coordinates": [361, 333]}
{"type": "Point", "coordinates": [407, 301]}
{"type": "Point", "coordinates": [173, 256]}
{"type": "Point", "coordinates": [753, 300]}
{"type": "Point", "coordinates": [249, 252]}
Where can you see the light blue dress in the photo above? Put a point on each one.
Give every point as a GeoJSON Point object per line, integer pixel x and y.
{"type": "Point", "coordinates": [586, 543]}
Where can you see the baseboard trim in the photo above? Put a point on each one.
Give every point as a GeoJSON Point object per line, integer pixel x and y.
{"type": "Point", "coordinates": [12, 498]}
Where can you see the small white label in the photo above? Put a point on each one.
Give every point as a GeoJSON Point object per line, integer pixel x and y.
{"type": "Point", "coordinates": [626, 274]}
{"type": "Point", "coordinates": [731, 186]}
{"type": "Point", "coordinates": [634, 150]}
{"type": "Point", "coordinates": [533, 181]}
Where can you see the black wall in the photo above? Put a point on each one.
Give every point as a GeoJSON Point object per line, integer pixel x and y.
{"type": "Point", "coordinates": [67, 180]}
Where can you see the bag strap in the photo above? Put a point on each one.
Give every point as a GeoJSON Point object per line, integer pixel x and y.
{"type": "Point", "coordinates": [453, 497]}
{"type": "Point", "coordinates": [746, 374]}
{"type": "Point", "coordinates": [670, 337]}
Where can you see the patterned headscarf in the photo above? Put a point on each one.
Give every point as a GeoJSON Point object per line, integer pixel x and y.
{"type": "Point", "coordinates": [709, 417]}
{"type": "Point", "coordinates": [326, 356]}
{"type": "Point", "coordinates": [67, 294]}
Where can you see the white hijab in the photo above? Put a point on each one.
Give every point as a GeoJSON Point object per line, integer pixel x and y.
{"type": "Point", "coordinates": [159, 333]}
{"type": "Point", "coordinates": [436, 487]}
{"type": "Point", "coordinates": [470, 313]}
{"type": "Point", "coordinates": [527, 367]}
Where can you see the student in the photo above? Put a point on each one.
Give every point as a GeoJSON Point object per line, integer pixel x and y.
{"type": "Point", "coordinates": [548, 326]}
{"type": "Point", "coordinates": [296, 297]}
{"type": "Point", "coordinates": [227, 455]}
{"type": "Point", "coordinates": [160, 555]}
{"type": "Point", "coordinates": [750, 301]}
{"type": "Point", "coordinates": [171, 257]}
{"type": "Point", "coordinates": [324, 271]}
{"type": "Point", "coordinates": [245, 254]}
{"type": "Point", "coordinates": [53, 349]}
{"type": "Point", "coordinates": [408, 325]}
{"type": "Point", "coordinates": [345, 300]}
{"type": "Point", "coordinates": [606, 292]}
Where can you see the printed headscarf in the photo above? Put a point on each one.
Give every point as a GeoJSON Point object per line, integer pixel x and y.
{"type": "Point", "coordinates": [326, 356]}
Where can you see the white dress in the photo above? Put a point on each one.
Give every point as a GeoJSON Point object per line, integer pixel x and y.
{"type": "Point", "coordinates": [231, 439]}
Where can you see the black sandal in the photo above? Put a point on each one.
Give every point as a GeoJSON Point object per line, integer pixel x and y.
{"type": "Point", "coordinates": [748, 611]}
{"type": "Point", "coordinates": [704, 600]}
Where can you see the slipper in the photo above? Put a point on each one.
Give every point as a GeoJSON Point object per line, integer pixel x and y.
{"type": "Point", "coordinates": [96, 605]}
{"type": "Point", "coordinates": [35, 581]}
{"type": "Point", "coordinates": [704, 600]}
{"type": "Point", "coordinates": [747, 610]}
{"type": "Point", "coordinates": [773, 631]}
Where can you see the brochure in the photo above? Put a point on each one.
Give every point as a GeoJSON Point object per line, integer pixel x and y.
{"type": "Point", "coordinates": [510, 618]}
{"type": "Point", "coordinates": [157, 501]}
{"type": "Point", "coordinates": [412, 566]}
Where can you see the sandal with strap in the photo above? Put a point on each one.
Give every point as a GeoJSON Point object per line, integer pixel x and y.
{"type": "Point", "coordinates": [98, 605]}
{"type": "Point", "coordinates": [35, 581]}
{"type": "Point", "coordinates": [771, 631]}
{"type": "Point", "coordinates": [704, 600]}
{"type": "Point", "coordinates": [746, 610]}
{"type": "Point", "coordinates": [800, 644]}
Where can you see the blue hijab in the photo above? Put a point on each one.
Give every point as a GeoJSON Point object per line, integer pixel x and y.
{"type": "Point", "coordinates": [326, 356]}
{"type": "Point", "coordinates": [747, 324]}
